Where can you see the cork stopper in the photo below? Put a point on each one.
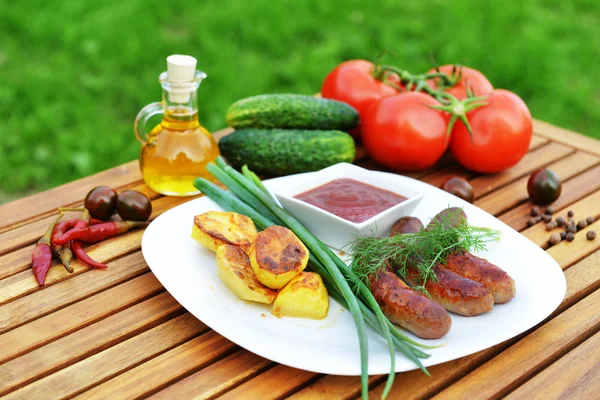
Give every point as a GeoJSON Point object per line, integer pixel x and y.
{"type": "Point", "coordinates": [180, 69]}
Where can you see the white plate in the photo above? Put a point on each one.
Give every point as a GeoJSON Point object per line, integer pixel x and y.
{"type": "Point", "coordinates": [330, 346]}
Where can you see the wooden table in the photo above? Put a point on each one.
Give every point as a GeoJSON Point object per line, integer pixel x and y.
{"type": "Point", "coordinates": [117, 333]}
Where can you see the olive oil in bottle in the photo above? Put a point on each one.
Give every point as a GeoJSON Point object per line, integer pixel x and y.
{"type": "Point", "coordinates": [177, 150]}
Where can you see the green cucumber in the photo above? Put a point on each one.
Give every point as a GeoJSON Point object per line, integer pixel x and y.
{"type": "Point", "coordinates": [286, 151]}
{"type": "Point", "coordinates": [293, 111]}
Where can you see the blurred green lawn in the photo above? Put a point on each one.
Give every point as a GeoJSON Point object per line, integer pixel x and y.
{"type": "Point", "coordinates": [75, 74]}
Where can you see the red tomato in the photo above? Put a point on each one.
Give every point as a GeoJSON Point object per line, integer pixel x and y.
{"type": "Point", "coordinates": [352, 83]}
{"type": "Point", "coordinates": [502, 131]}
{"type": "Point", "coordinates": [402, 132]}
{"type": "Point", "coordinates": [471, 78]}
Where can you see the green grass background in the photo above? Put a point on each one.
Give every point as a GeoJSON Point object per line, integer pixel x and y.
{"type": "Point", "coordinates": [73, 75]}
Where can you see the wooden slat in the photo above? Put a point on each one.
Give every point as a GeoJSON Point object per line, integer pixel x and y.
{"type": "Point", "coordinates": [533, 160]}
{"type": "Point", "coordinates": [108, 363]}
{"type": "Point", "coordinates": [574, 376]}
{"type": "Point", "coordinates": [69, 349]}
{"type": "Point", "coordinates": [216, 378]}
{"type": "Point", "coordinates": [20, 211]}
{"type": "Point", "coordinates": [516, 192]}
{"type": "Point", "coordinates": [569, 138]}
{"type": "Point", "coordinates": [80, 314]}
{"type": "Point", "coordinates": [157, 373]}
{"type": "Point", "coordinates": [582, 209]}
{"type": "Point", "coordinates": [31, 232]}
{"type": "Point", "coordinates": [531, 354]}
{"type": "Point", "coordinates": [262, 387]}
{"type": "Point", "coordinates": [68, 292]}
{"type": "Point", "coordinates": [583, 279]}
{"type": "Point", "coordinates": [335, 387]}
{"type": "Point", "coordinates": [572, 190]}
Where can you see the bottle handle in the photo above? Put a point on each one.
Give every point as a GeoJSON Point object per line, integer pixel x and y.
{"type": "Point", "coordinates": [139, 126]}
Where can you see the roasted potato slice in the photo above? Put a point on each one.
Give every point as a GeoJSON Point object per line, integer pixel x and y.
{"type": "Point", "coordinates": [235, 272]}
{"type": "Point", "coordinates": [215, 228]}
{"type": "Point", "coordinates": [305, 296]}
{"type": "Point", "coordinates": [276, 256]}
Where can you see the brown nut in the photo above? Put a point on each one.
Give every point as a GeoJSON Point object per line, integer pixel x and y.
{"type": "Point", "coordinates": [406, 225]}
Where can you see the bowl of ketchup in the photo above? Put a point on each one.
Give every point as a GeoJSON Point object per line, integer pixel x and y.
{"type": "Point", "coordinates": [343, 201]}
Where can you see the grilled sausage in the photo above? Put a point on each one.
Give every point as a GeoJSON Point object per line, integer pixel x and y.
{"type": "Point", "coordinates": [408, 308]}
{"type": "Point", "coordinates": [498, 282]}
{"type": "Point", "coordinates": [455, 293]}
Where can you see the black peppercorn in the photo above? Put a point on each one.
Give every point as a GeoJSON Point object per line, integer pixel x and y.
{"type": "Point", "coordinates": [570, 237]}
{"type": "Point", "coordinates": [549, 210]}
{"type": "Point", "coordinates": [560, 222]}
{"type": "Point", "coordinates": [534, 211]}
{"type": "Point", "coordinates": [572, 228]}
{"type": "Point", "coordinates": [554, 239]}
{"type": "Point", "coordinates": [570, 213]}
{"type": "Point", "coordinates": [589, 220]}
{"type": "Point", "coordinates": [591, 235]}
{"type": "Point", "coordinates": [563, 235]}
{"type": "Point", "coordinates": [581, 224]}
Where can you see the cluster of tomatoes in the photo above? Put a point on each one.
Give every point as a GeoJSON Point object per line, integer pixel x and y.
{"type": "Point", "coordinates": [405, 130]}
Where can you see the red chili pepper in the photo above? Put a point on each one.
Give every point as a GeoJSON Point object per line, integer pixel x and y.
{"type": "Point", "coordinates": [41, 258]}
{"type": "Point", "coordinates": [63, 252]}
{"type": "Point", "coordinates": [83, 256]}
{"type": "Point", "coordinates": [81, 225]}
{"type": "Point", "coordinates": [95, 221]}
{"type": "Point", "coordinates": [100, 232]}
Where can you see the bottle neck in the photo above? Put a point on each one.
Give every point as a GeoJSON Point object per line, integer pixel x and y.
{"type": "Point", "coordinates": [180, 109]}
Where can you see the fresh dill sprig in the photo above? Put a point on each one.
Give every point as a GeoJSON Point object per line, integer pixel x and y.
{"type": "Point", "coordinates": [422, 251]}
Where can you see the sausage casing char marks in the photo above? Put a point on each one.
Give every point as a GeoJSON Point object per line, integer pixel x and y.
{"type": "Point", "coordinates": [455, 293]}
{"type": "Point", "coordinates": [498, 282]}
{"type": "Point", "coordinates": [408, 308]}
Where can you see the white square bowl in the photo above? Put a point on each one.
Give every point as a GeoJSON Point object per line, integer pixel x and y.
{"type": "Point", "coordinates": [336, 231]}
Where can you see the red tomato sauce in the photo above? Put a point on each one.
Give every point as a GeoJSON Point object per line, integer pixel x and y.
{"type": "Point", "coordinates": [351, 200]}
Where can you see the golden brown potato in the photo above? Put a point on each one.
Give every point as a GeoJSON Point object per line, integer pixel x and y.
{"type": "Point", "coordinates": [305, 296]}
{"type": "Point", "coordinates": [276, 256]}
{"type": "Point", "coordinates": [235, 271]}
{"type": "Point", "coordinates": [215, 228]}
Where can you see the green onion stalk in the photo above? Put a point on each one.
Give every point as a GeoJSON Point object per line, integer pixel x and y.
{"type": "Point", "coordinates": [249, 196]}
